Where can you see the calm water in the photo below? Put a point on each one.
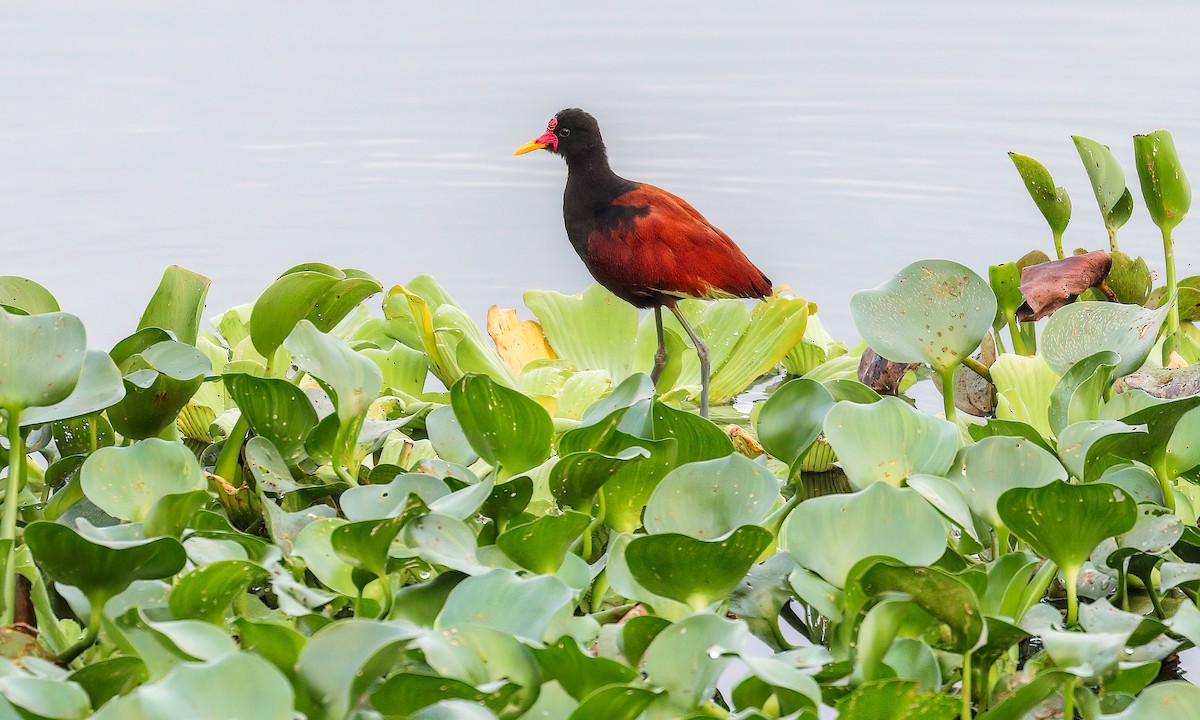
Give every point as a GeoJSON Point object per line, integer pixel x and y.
{"type": "Point", "coordinates": [834, 141]}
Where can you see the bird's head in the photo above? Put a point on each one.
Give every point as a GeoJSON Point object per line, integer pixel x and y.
{"type": "Point", "coordinates": [570, 133]}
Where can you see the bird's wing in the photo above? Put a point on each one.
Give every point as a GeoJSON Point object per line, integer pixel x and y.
{"type": "Point", "coordinates": [670, 248]}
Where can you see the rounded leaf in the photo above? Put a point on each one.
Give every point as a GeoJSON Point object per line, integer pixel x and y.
{"type": "Point", "coordinates": [889, 440]}
{"type": "Point", "coordinates": [710, 499]}
{"type": "Point", "coordinates": [832, 533]}
{"type": "Point", "coordinates": [933, 311]}
{"type": "Point", "coordinates": [985, 470]}
{"type": "Point", "coordinates": [43, 357]}
{"type": "Point", "coordinates": [1083, 329]}
{"type": "Point", "coordinates": [126, 482]}
{"type": "Point", "coordinates": [1052, 201]}
{"type": "Point", "coordinates": [792, 418]}
{"type": "Point", "coordinates": [503, 426]}
{"type": "Point", "coordinates": [695, 572]}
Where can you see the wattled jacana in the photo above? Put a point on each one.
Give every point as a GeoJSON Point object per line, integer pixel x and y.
{"type": "Point", "coordinates": [647, 246]}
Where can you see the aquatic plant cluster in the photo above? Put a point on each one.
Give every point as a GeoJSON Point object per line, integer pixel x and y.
{"type": "Point", "coordinates": [274, 515]}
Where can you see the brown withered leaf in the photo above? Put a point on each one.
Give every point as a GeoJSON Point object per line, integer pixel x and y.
{"type": "Point", "coordinates": [1052, 285]}
{"type": "Point", "coordinates": [880, 374]}
{"type": "Point", "coordinates": [518, 341]}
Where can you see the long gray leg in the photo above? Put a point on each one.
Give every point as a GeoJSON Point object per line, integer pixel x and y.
{"type": "Point", "coordinates": [660, 357]}
{"type": "Point", "coordinates": [702, 352]}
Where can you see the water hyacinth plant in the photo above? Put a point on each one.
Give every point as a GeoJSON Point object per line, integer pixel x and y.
{"type": "Point", "coordinates": [340, 502]}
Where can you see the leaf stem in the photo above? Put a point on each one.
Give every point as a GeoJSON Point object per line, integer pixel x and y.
{"type": "Point", "coordinates": [1014, 332]}
{"type": "Point", "coordinates": [1058, 249]}
{"type": "Point", "coordinates": [1071, 581]}
{"type": "Point", "coordinates": [1169, 255]}
{"type": "Point", "coordinates": [89, 638]}
{"type": "Point", "coordinates": [599, 588]}
{"type": "Point", "coordinates": [1069, 699]}
{"type": "Point", "coordinates": [8, 528]}
{"type": "Point", "coordinates": [1112, 239]}
{"type": "Point", "coordinates": [1164, 482]}
{"type": "Point", "coordinates": [978, 368]}
{"type": "Point", "coordinates": [966, 686]}
{"type": "Point", "coordinates": [948, 393]}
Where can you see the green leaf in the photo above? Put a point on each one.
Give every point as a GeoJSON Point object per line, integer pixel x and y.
{"type": "Point", "coordinates": [403, 368]}
{"type": "Point", "coordinates": [1066, 522]}
{"type": "Point", "coordinates": [355, 381]}
{"type": "Point", "coordinates": [1026, 698]}
{"type": "Point", "coordinates": [687, 658]}
{"type": "Point", "coordinates": [578, 672]}
{"type": "Point", "coordinates": [344, 658]}
{"type": "Point", "coordinates": [1175, 700]}
{"type": "Point", "coordinates": [1052, 201]}
{"type": "Point", "coordinates": [170, 514]}
{"type": "Point", "coordinates": [126, 482]}
{"type": "Point", "coordinates": [284, 304]}
{"type": "Point", "coordinates": [541, 545]}
{"type": "Point", "coordinates": [46, 697]}
{"type": "Point", "coordinates": [895, 700]}
{"type": "Point", "coordinates": [578, 476]}
{"type": "Point", "coordinates": [776, 326]}
{"type": "Point", "coordinates": [100, 570]}
{"type": "Point", "coordinates": [615, 702]}
{"type": "Point", "coordinates": [99, 387]}
{"type": "Point", "coordinates": [933, 311]}
{"type": "Point", "coordinates": [207, 592]}
{"type": "Point", "coordinates": [447, 437]}
{"type": "Point", "coordinates": [1165, 187]}
{"type": "Point", "coordinates": [160, 377]}
{"type": "Point", "coordinates": [1023, 389]}
{"type": "Point", "coordinates": [44, 357]}
{"type": "Point", "coordinates": [276, 410]}
{"type": "Point", "coordinates": [1108, 182]}
{"type": "Point", "coordinates": [945, 597]}
{"type": "Point", "coordinates": [710, 499]}
{"type": "Point", "coordinates": [1079, 395]}
{"type": "Point", "coordinates": [177, 304]}
{"type": "Point", "coordinates": [791, 420]}
{"type": "Point", "coordinates": [1131, 281]}
{"type": "Point", "coordinates": [627, 492]}
{"type": "Point", "coordinates": [591, 330]}
{"type": "Point", "coordinates": [697, 439]}
{"type": "Point", "coordinates": [985, 470]}
{"type": "Point", "coordinates": [249, 687]}
{"type": "Point", "coordinates": [503, 601]}
{"type": "Point", "coordinates": [832, 533]}
{"type": "Point", "coordinates": [106, 679]}
{"type": "Point", "coordinates": [695, 572]}
{"type": "Point", "coordinates": [503, 426]}
{"type": "Point", "coordinates": [372, 502]}
{"type": "Point", "coordinates": [365, 544]}
{"type": "Point", "coordinates": [887, 441]}
{"type": "Point", "coordinates": [314, 544]}
{"type": "Point", "coordinates": [1082, 329]}
{"type": "Point", "coordinates": [25, 297]}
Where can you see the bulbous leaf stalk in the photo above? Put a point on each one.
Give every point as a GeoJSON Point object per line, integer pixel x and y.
{"type": "Point", "coordinates": [1168, 197]}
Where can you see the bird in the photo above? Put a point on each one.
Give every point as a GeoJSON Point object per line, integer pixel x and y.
{"type": "Point", "coordinates": [647, 246]}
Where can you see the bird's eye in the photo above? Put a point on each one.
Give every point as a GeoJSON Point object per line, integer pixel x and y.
{"type": "Point", "coordinates": [564, 132]}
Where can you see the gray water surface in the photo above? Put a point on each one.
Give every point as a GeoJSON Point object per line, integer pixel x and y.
{"type": "Point", "coordinates": [835, 142]}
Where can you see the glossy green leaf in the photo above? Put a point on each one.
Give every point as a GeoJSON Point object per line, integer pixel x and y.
{"type": "Point", "coordinates": [1023, 389]}
{"type": "Point", "coordinates": [1066, 522]}
{"type": "Point", "coordinates": [275, 409]}
{"type": "Point", "coordinates": [100, 570]}
{"type": "Point", "coordinates": [43, 697]}
{"type": "Point", "coordinates": [170, 514]}
{"type": "Point", "coordinates": [615, 702]}
{"type": "Point", "coordinates": [985, 470]}
{"type": "Point", "coordinates": [687, 658]}
{"type": "Point", "coordinates": [886, 441]}
{"type": "Point", "coordinates": [344, 658]}
{"type": "Point", "coordinates": [44, 358]}
{"type": "Point", "coordinates": [503, 601]}
{"type": "Point", "coordinates": [178, 304]}
{"type": "Point", "coordinates": [1165, 187]}
{"type": "Point", "coordinates": [99, 387]}
{"type": "Point", "coordinates": [541, 545]}
{"type": "Point", "coordinates": [933, 311]}
{"type": "Point", "coordinates": [106, 679]}
{"type": "Point", "coordinates": [284, 304]}
{"type": "Point", "coordinates": [25, 297]}
{"type": "Point", "coordinates": [503, 426]}
{"type": "Point", "coordinates": [791, 420]}
{"type": "Point", "coordinates": [1080, 393]}
{"type": "Point", "coordinates": [945, 597]}
{"type": "Point", "coordinates": [832, 533]}
{"type": "Point", "coordinates": [627, 492]}
{"type": "Point", "coordinates": [355, 381]}
{"type": "Point", "coordinates": [895, 700]}
{"type": "Point", "coordinates": [1176, 700]}
{"type": "Point", "coordinates": [126, 482]}
{"type": "Point", "coordinates": [1083, 329]}
{"type": "Point", "coordinates": [591, 330]}
{"type": "Point", "coordinates": [578, 672]}
{"type": "Point", "coordinates": [207, 592]}
{"type": "Point", "coordinates": [696, 438]}
{"type": "Point", "coordinates": [249, 687]}
{"type": "Point", "coordinates": [160, 378]}
{"type": "Point", "coordinates": [1108, 182]}
{"type": "Point", "coordinates": [707, 500]}
{"type": "Point", "coordinates": [776, 326]}
{"type": "Point", "coordinates": [695, 572]}
{"type": "Point", "coordinates": [577, 477]}
{"type": "Point", "coordinates": [1053, 202]}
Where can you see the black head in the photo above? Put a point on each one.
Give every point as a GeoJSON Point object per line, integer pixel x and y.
{"type": "Point", "coordinates": [571, 133]}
